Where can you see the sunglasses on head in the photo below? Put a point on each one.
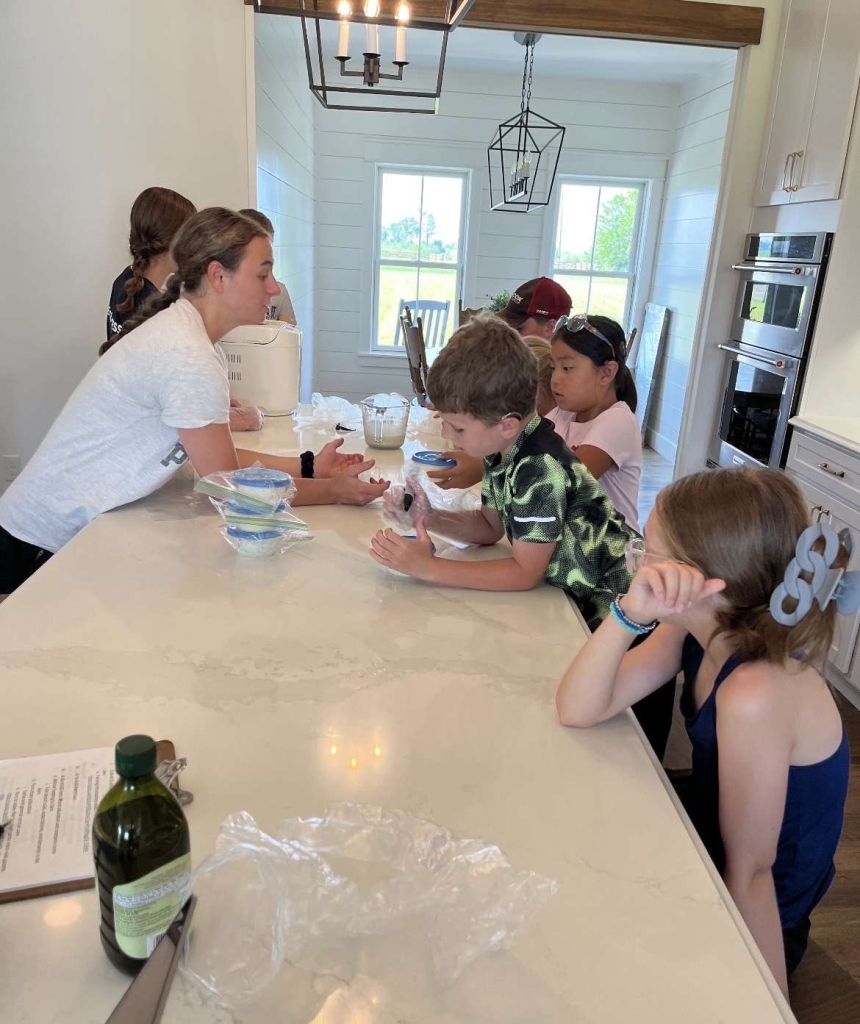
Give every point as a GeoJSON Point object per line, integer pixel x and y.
{"type": "Point", "coordinates": [579, 322]}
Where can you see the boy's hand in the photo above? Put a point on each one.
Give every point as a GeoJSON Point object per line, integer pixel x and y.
{"type": "Point", "coordinates": [664, 589]}
{"type": "Point", "coordinates": [411, 556]}
{"type": "Point", "coordinates": [468, 471]}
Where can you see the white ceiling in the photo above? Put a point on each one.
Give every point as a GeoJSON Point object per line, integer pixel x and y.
{"type": "Point", "coordinates": [573, 56]}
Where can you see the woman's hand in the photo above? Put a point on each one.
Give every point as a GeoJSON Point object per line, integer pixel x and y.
{"type": "Point", "coordinates": [329, 461]}
{"type": "Point", "coordinates": [347, 489]}
{"type": "Point", "coordinates": [413, 556]}
{"type": "Point", "coordinates": [666, 588]}
{"type": "Point", "coordinates": [468, 471]}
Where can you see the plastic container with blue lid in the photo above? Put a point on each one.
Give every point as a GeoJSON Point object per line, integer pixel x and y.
{"type": "Point", "coordinates": [435, 460]}
{"type": "Point", "coordinates": [263, 484]}
{"type": "Point", "coordinates": [255, 544]}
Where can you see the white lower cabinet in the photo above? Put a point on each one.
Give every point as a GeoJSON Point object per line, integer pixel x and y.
{"type": "Point", "coordinates": [833, 500]}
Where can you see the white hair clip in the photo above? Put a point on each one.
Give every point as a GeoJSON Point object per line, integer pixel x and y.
{"type": "Point", "coordinates": [827, 584]}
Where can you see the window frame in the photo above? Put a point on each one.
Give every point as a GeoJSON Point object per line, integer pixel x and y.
{"type": "Point", "coordinates": [419, 171]}
{"type": "Point", "coordinates": [638, 272]}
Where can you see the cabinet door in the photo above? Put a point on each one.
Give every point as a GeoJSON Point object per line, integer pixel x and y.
{"type": "Point", "coordinates": [840, 517]}
{"type": "Point", "coordinates": [818, 172]}
{"type": "Point", "coordinates": [793, 97]}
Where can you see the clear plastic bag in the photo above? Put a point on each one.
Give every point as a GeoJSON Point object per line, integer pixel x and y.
{"type": "Point", "coordinates": [413, 480]}
{"type": "Point", "coordinates": [326, 413]}
{"type": "Point", "coordinates": [254, 487]}
{"type": "Point", "coordinates": [345, 879]}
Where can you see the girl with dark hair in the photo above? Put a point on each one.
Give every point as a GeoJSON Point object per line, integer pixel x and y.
{"type": "Point", "coordinates": [596, 398]}
{"type": "Point", "coordinates": [156, 216]}
{"type": "Point", "coordinates": [159, 399]}
{"type": "Point", "coordinates": [735, 588]}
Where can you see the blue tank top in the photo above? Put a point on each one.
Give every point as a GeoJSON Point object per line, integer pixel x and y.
{"type": "Point", "coordinates": [814, 803]}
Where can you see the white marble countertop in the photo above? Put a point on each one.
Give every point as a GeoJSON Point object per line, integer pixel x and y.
{"type": "Point", "coordinates": [148, 622]}
{"type": "Point", "coordinates": [841, 430]}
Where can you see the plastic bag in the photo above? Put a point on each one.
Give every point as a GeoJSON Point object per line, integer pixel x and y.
{"type": "Point", "coordinates": [413, 480]}
{"type": "Point", "coordinates": [245, 418]}
{"type": "Point", "coordinates": [352, 875]}
{"type": "Point", "coordinates": [327, 412]}
{"type": "Point", "coordinates": [256, 487]}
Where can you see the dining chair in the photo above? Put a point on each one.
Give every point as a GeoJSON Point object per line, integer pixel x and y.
{"type": "Point", "coordinates": [433, 315]}
{"type": "Point", "coordinates": [416, 353]}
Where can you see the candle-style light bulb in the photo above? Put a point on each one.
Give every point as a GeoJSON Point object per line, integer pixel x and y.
{"type": "Point", "coordinates": [400, 35]}
{"type": "Point", "coordinates": [371, 44]}
{"type": "Point", "coordinates": [344, 10]}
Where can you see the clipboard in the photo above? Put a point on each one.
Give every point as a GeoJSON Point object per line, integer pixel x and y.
{"type": "Point", "coordinates": [165, 751]}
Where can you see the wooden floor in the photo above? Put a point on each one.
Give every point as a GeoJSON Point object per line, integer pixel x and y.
{"type": "Point", "coordinates": [656, 474]}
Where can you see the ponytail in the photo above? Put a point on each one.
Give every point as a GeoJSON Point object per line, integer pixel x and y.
{"type": "Point", "coordinates": [155, 304]}
{"type": "Point", "coordinates": [134, 284]}
{"type": "Point", "coordinates": [589, 345]}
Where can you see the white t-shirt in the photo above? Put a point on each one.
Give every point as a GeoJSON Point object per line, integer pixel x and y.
{"type": "Point", "coordinates": [616, 432]}
{"type": "Point", "coordinates": [116, 439]}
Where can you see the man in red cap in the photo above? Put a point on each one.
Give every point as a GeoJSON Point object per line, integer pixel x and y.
{"type": "Point", "coordinates": [535, 306]}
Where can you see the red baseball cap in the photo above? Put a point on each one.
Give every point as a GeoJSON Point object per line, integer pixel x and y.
{"type": "Point", "coordinates": [539, 297]}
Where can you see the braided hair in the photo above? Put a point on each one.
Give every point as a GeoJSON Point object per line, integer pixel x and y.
{"type": "Point", "coordinates": [156, 215]}
{"type": "Point", "coordinates": [213, 235]}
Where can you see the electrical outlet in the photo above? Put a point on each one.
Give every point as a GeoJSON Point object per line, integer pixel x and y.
{"type": "Point", "coordinates": [10, 467]}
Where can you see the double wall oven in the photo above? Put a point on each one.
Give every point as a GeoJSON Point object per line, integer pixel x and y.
{"type": "Point", "coordinates": [779, 286]}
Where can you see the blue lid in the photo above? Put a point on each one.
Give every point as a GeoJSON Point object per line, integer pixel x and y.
{"type": "Point", "coordinates": [237, 531]}
{"type": "Point", "coordinates": [434, 459]}
{"type": "Point", "coordinates": [237, 507]}
{"type": "Point", "coordinates": [257, 476]}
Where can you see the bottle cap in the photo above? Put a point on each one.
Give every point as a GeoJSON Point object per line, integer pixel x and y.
{"type": "Point", "coordinates": [135, 756]}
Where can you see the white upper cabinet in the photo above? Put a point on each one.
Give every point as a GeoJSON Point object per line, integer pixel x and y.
{"type": "Point", "coordinates": [813, 102]}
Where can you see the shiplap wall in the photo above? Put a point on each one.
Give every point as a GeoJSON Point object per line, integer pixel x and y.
{"type": "Point", "coordinates": [615, 129]}
{"type": "Point", "coordinates": [686, 226]}
{"type": "Point", "coordinates": [285, 165]}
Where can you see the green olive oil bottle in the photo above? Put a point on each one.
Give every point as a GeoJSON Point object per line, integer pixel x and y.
{"type": "Point", "coordinates": [142, 857]}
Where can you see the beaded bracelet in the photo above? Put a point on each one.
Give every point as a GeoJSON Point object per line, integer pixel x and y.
{"type": "Point", "coordinates": [637, 628]}
{"type": "Point", "coordinates": [307, 460]}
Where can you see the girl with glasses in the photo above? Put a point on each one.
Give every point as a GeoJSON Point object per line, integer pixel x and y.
{"type": "Point", "coordinates": [736, 590]}
{"type": "Point", "coordinates": [596, 404]}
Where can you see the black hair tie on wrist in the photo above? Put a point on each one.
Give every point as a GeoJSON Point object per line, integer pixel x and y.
{"type": "Point", "coordinates": [307, 460]}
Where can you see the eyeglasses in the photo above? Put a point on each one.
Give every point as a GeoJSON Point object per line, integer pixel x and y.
{"type": "Point", "coordinates": [635, 556]}
{"type": "Point", "coordinates": [580, 323]}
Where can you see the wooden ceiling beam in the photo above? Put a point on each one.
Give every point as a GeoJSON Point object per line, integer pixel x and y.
{"type": "Point", "coordinates": [663, 21]}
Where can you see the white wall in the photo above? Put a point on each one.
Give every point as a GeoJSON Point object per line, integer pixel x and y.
{"type": "Point", "coordinates": [614, 129]}
{"type": "Point", "coordinates": [285, 164]}
{"type": "Point", "coordinates": [100, 99]}
{"type": "Point", "coordinates": [686, 227]}
{"type": "Point", "coordinates": [747, 119]}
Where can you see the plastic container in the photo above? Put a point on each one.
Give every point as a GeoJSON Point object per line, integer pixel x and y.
{"type": "Point", "coordinates": [255, 544]}
{"type": "Point", "coordinates": [236, 508]}
{"type": "Point", "coordinates": [385, 419]}
{"type": "Point", "coordinates": [266, 485]}
{"type": "Point", "coordinates": [434, 460]}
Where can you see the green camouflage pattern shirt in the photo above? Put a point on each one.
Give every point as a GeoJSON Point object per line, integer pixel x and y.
{"type": "Point", "coordinates": [545, 495]}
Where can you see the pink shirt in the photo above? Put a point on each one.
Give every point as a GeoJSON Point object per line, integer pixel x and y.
{"type": "Point", "coordinates": [616, 432]}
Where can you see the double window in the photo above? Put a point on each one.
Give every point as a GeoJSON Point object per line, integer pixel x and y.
{"type": "Point", "coordinates": [594, 254]}
{"type": "Point", "coordinates": [419, 251]}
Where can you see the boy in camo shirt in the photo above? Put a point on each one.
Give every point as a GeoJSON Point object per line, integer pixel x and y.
{"type": "Point", "coordinates": [561, 526]}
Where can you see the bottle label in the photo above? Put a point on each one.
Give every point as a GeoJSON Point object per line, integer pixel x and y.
{"type": "Point", "coordinates": [143, 910]}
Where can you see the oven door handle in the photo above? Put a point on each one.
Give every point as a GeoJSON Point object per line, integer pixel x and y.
{"type": "Point", "coordinates": [770, 270]}
{"type": "Point", "coordinates": [778, 363]}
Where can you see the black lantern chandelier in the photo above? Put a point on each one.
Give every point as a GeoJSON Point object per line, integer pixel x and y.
{"type": "Point", "coordinates": [372, 94]}
{"type": "Point", "coordinates": [523, 157]}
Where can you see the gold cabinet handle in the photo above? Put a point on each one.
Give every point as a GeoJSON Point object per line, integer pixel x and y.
{"type": "Point", "coordinates": [840, 473]}
{"type": "Point", "coordinates": [786, 188]}
{"type": "Point", "coordinates": [798, 159]}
